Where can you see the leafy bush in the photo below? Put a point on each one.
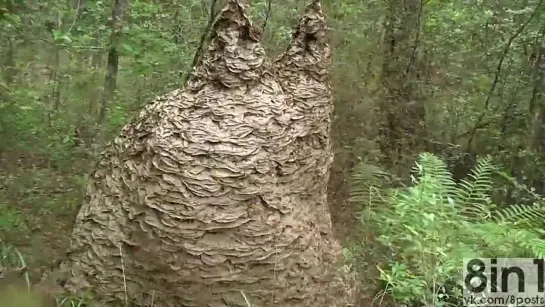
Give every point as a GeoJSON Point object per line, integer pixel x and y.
{"type": "Point", "coordinates": [424, 231]}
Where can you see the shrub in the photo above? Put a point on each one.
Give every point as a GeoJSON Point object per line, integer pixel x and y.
{"type": "Point", "coordinates": [424, 231]}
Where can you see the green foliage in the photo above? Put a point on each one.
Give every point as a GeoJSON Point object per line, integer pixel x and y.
{"type": "Point", "coordinates": [425, 230]}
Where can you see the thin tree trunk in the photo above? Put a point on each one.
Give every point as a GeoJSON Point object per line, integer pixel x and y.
{"type": "Point", "coordinates": [9, 70]}
{"type": "Point", "coordinates": [8, 73]}
{"type": "Point", "coordinates": [56, 95]}
{"type": "Point", "coordinates": [9, 64]}
{"type": "Point", "coordinates": [537, 103]}
{"type": "Point", "coordinates": [536, 116]}
{"type": "Point", "coordinates": [110, 81]}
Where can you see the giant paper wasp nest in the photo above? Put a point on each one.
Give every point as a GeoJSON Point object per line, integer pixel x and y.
{"type": "Point", "coordinates": [216, 193]}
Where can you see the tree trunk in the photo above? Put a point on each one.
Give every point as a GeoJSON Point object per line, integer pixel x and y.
{"type": "Point", "coordinates": [403, 123]}
{"type": "Point", "coordinates": [216, 194]}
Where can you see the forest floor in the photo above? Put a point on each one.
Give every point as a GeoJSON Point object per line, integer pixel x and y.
{"type": "Point", "coordinates": [39, 202]}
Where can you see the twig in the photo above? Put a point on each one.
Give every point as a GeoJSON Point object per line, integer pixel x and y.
{"type": "Point", "coordinates": [246, 299]}
{"type": "Point", "coordinates": [124, 277]}
{"type": "Point", "coordinates": [75, 17]}
{"type": "Point", "coordinates": [70, 46]}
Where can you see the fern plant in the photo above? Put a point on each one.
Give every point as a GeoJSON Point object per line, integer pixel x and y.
{"type": "Point", "coordinates": [473, 193]}
{"type": "Point", "coordinates": [424, 231]}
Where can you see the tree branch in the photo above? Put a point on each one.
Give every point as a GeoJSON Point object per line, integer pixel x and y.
{"type": "Point", "coordinates": [211, 17]}
{"type": "Point", "coordinates": [498, 73]}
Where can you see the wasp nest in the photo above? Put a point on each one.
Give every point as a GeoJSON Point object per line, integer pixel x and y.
{"type": "Point", "coordinates": [216, 193]}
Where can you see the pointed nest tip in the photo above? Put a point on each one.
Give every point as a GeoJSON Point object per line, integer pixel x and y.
{"type": "Point", "coordinates": [235, 56]}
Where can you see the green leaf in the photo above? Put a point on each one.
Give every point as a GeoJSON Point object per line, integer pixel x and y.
{"type": "Point", "coordinates": [65, 38]}
{"type": "Point", "coordinates": [128, 48]}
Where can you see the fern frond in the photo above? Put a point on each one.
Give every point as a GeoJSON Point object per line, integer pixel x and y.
{"type": "Point", "coordinates": [537, 246]}
{"type": "Point", "coordinates": [530, 241]}
{"type": "Point", "coordinates": [366, 184]}
{"type": "Point", "coordinates": [504, 239]}
{"type": "Point", "coordinates": [473, 194]}
{"type": "Point", "coordinates": [516, 213]}
{"type": "Point", "coordinates": [430, 167]}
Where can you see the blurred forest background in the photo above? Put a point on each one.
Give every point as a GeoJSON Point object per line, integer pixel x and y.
{"type": "Point", "coordinates": [462, 80]}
